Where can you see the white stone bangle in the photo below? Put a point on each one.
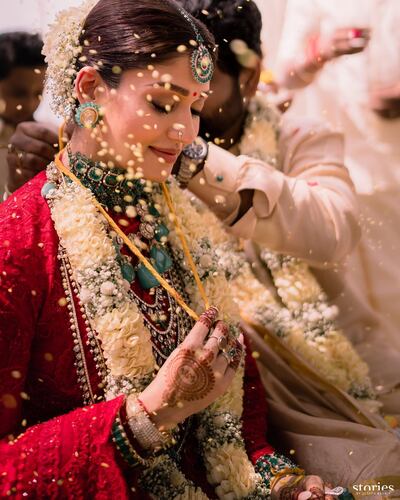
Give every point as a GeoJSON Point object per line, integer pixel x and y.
{"type": "Point", "coordinates": [145, 432]}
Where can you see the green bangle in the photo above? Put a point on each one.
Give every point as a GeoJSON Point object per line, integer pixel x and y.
{"type": "Point", "coordinates": [122, 443]}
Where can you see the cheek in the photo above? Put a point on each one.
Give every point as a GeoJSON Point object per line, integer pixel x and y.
{"type": "Point", "coordinates": [126, 125]}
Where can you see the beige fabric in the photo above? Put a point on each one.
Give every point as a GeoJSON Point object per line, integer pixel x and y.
{"type": "Point", "coordinates": [328, 434]}
{"type": "Point", "coordinates": [306, 208]}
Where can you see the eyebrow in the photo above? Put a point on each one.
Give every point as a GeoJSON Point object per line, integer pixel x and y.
{"type": "Point", "coordinates": [176, 88]}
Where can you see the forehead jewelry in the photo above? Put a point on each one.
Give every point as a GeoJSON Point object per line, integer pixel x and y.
{"type": "Point", "coordinates": [200, 61]}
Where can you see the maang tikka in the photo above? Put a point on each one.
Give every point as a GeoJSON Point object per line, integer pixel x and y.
{"type": "Point", "coordinates": [201, 60]}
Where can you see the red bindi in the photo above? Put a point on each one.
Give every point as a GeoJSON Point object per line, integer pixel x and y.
{"type": "Point", "coordinates": [194, 94]}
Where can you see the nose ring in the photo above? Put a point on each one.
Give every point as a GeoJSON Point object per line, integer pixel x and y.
{"type": "Point", "coordinates": [180, 134]}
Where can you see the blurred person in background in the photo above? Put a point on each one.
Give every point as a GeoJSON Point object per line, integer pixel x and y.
{"type": "Point", "coordinates": [343, 61]}
{"type": "Point", "coordinates": [22, 70]}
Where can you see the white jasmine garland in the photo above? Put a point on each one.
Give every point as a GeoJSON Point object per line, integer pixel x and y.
{"type": "Point", "coordinates": [126, 342]}
{"type": "Point", "coordinates": [224, 462]}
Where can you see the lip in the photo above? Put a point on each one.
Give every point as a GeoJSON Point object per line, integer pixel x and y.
{"type": "Point", "coordinates": [169, 155]}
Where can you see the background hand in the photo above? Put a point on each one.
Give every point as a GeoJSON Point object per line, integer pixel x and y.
{"type": "Point", "coordinates": [346, 41]}
{"type": "Point", "coordinates": [308, 488]}
{"type": "Point", "coordinates": [33, 147]}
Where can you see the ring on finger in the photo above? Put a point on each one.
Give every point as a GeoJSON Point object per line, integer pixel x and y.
{"type": "Point", "coordinates": [222, 342]}
{"type": "Point", "coordinates": [236, 356]}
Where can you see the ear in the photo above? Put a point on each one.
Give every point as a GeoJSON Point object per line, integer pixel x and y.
{"type": "Point", "coordinates": [89, 86]}
{"type": "Point", "coordinates": [249, 79]}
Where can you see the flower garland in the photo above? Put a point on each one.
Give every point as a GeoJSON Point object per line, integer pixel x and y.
{"type": "Point", "coordinates": [305, 321]}
{"type": "Point", "coordinates": [127, 347]}
{"type": "Point", "coordinates": [61, 48]}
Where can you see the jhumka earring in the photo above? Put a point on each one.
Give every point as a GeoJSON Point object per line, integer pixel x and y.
{"type": "Point", "coordinates": [88, 115]}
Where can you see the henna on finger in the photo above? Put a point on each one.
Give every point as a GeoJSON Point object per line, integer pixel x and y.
{"type": "Point", "coordinates": [223, 328]}
{"type": "Point", "coordinates": [208, 317]}
{"type": "Point", "coordinates": [207, 356]}
{"type": "Point", "coordinates": [188, 377]}
{"type": "Point", "coordinates": [290, 492]}
{"type": "Point", "coordinates": [317, 493]}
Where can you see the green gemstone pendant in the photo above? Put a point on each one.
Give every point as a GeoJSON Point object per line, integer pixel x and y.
{"type": "Point", "coordinates": [128, 272]}
{"type": "Point", "coordinates": [95, 174]}
{"type": "Point", "coordinates": [153, 211]}
{"type": "Point", "coordinates": [161, 232]}
{"type": "Point", "coordinates": [202, 65]}
{"type": "Point", "coordinates": [146, 279]}
{"type": "Point", "coordinates": [162, 261]}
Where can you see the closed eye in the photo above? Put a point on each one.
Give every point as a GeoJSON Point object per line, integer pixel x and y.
{"type": "Point", "coordinates": [161, 109]}
{"type": "Point", "coordinates": [166, 109]}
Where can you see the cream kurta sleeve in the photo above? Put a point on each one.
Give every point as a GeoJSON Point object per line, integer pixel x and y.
{"type": "Point", "coordinates": [307, 208]}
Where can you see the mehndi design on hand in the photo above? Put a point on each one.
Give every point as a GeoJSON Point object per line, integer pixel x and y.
{"type": "Point", "coordinates": [189, 377]}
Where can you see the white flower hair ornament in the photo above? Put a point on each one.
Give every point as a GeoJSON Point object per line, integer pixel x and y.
{"type": "Point", "coordinates": [62, 49]}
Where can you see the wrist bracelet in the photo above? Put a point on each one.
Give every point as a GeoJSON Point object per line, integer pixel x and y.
{"type": "Point", "coordinates": [187, 169]}
{"type": "Point", "coordinates": [287, 471]}
{"type": "Point", "coordinates": [124, 446]}
{"type": "Point", "coordinates": [145, 432]}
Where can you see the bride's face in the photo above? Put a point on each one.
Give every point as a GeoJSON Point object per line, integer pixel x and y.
{"type": "Point", "coordinates": [150, 117]}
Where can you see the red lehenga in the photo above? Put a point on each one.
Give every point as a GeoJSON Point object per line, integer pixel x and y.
{"type": "Point", "coordinates": [52, 444]}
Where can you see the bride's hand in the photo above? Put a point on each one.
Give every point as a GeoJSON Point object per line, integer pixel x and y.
{"type": "Point", "coordinates": [300, 488]}
{"type": "Point", "coordinates": [195, 374]}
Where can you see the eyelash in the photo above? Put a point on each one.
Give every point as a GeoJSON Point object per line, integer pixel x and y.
{"type": "Point", "coordinates": [161, 109]}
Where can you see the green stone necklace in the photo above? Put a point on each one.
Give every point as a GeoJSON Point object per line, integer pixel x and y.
{"type": "Point", "coordinates": [120, 194]}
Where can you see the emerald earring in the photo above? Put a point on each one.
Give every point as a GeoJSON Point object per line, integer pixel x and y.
{"type": "Point", "coordinates": [88, 115]}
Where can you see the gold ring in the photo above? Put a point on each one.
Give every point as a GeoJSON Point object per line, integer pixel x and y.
{"type": "Point", "coordinates": [222, 342]}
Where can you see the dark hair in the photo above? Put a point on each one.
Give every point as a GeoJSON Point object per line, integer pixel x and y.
{"type": "Point", "coordinates": [228, 20]}
{"type": "Point", "coordinates": [19, 49]}
{"type": "Point", "coordinates": [125, 34]}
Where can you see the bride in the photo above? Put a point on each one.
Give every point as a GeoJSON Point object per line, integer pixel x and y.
{"type": "Point", "coordinates": [123, 367]}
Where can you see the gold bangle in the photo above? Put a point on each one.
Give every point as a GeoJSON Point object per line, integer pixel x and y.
{"type": "Point", "coordinates": [295, 480]}
{"type": "Point", "coordinates": [287, 471]}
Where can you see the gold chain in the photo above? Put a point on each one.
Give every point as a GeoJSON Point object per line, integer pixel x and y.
{"type": "Point", "coordinates": [185, 246]}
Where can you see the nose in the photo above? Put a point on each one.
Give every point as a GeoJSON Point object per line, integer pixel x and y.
{"type": "Point", "coordinates": [185, 131]}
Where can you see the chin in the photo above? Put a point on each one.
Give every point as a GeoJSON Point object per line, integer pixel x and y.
{"type": "Point", "coordinates": [157, 175]}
